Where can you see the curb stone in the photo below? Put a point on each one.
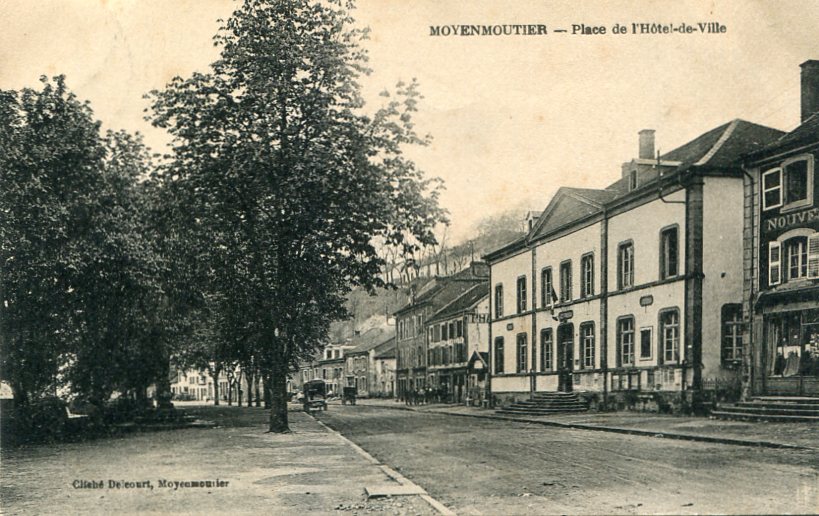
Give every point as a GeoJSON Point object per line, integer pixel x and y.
{"type": "Point", "coordinates": [619, 430]}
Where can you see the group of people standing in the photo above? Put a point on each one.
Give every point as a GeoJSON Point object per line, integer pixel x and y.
{"type": "Point", "coordinates": [423, 396]}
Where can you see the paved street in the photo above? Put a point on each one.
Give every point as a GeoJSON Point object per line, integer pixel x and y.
{"type": "Point", "coordinates": [478, 466]}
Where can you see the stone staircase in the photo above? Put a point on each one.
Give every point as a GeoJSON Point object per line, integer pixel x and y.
{"type": "Point", "coordinates": [771, 408]}
{"type": "Point", "coordinates": [546, 403]}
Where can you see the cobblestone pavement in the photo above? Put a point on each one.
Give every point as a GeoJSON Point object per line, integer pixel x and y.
{"type": "Point", "coordinates": [488, 466]}
{"type": "Point", "coordinates": [309, 471]}
{"type": "Point", "coordinates": [790, 434]}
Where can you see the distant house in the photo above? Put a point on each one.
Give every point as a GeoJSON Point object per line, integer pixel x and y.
{"type": "Point", "coordinates": [360, 363]}
{"type": "Point", "coordinates": [385, 362]}
{"type": "Point", "coordinates": [331, 366]}
{"type": "Point", "coordinates": [454, 333]}
{"type": "Point", "coordinates": [192, 384]}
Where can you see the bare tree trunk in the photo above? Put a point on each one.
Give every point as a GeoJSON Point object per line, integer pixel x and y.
{"type": "Point", "coordinates": [215, 376]}
{"type": "Point", "coordinates": [163, 387]}
{"type": "Point", "coordinates": [256, 385]}
{"type": "Point", "coordinates": [278, 403]}
{"type": "Point", "coordinates": [266, 388]}
{"type": "Point", "coordinates": [239, 389]}
{"type": "Point", "coordinates": [249, 380]}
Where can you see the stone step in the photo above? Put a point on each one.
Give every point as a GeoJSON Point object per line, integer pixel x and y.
{"type": "Point", "coordinates": [770, 409]}
{"type": "Point", "coordinates": [748, 416]}
{"type": "Point", "coordinates": [783, 406]}
{"type": "Point", "coordinates": [786, 399]}
{"type": "Point", "coordinates": [548, 402]}
{"type": "Point", "coordinates": [550, 409]}
{"type": "Point", "coordinates": [538, 412]}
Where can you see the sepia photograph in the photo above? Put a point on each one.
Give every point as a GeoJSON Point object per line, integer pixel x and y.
{"type": "Point", "coordinates": [348, 257]}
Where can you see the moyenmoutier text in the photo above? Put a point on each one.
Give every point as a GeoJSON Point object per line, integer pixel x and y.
{"type": "Point", "coordinates": [162, 483]}
{"type": "Point", "coordinates": [580, 29]}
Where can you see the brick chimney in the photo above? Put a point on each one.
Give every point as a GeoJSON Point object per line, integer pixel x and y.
{"type": "Point", "coordinates": [647, 144]}
{"type": "Point", "coordinates": [810, 88]}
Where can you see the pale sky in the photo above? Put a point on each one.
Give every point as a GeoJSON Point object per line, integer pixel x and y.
{"type": "Point", "coordinates": [513, 117]}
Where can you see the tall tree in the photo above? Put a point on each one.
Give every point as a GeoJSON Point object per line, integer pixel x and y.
{"type": "Point", "coordinates": [50, 162]}
{"type": "Point", "coordinates": [291, 178]}
{"type": "Point", "coordinates": [79, 273]}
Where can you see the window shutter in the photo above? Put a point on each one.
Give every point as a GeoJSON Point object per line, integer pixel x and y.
{"type": "Point", "coordinates": [660, 354]}
{"type": "Point", "coordinates": [813, 256]}
{"type": "Point", "coordinates": [774, 263]}
{"type": "Point", "coordinates": [619, 349]}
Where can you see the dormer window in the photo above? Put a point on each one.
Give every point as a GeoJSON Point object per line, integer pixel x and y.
{"type": "Point", "coordinates": [789, 186]}
{"type": "Point", "coordinates": [632, 180]}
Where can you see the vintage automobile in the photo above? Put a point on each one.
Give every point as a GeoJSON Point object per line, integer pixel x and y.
{"type": "Point", "coordinates": [314, 395]}
{"type": "Point", "coordinates": [348, 395]}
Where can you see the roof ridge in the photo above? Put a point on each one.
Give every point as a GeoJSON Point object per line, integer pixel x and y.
{"type": "Point", "coordinates": [719, 143]}
{"type": "Point", "coordinates": [579, 196]}
{"type": "Point", "coordinates": [457, 298]}
{"type": "Point", "coordinates": [541, 220]}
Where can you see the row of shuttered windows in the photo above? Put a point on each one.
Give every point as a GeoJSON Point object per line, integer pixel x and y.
{"type": "Point", "coordinates": [668, 268]}
{"type": "Point", "coordinates": [631, 343]}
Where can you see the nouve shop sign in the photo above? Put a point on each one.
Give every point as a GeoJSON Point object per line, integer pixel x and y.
{"type": "Point", "coordinates": [791, 220]}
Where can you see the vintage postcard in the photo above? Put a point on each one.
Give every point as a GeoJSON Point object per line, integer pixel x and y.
{"type": "Point", "coordinates": [409, 257]}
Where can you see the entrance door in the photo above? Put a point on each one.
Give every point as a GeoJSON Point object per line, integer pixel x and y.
{"type": "Point", "coordinates": [565, 358]}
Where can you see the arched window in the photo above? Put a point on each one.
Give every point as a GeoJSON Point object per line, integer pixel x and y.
{"type": "Point", "coordinates": [796, 256]}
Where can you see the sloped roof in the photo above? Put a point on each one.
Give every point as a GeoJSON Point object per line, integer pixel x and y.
{"type": "Point", "coordinates": [591, 194]}
{"type": "Point", "coordinates": [570, 205]}
{"type": "Point", "coordinates": [807, 132]}
{"type": "Point", "coordinates": [463, 302]}
{"type": "Point", "coordinates": [476, 272]}
{"type": "Point", "coordinates": [387, 353]}
{"type": "Point", "coordinates": [372, 339]}
{"type": "Point", "coordinates": [720, 148]}
{"type": "Point", "coordinates": [725, 145]}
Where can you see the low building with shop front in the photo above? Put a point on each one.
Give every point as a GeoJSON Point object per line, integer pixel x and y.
{"type": "Point", "coordinates": [454, 334]}
{"type": "Point", "coordinates": [624, 294]}
{"type": "Point", "coordinates": [782, 257]}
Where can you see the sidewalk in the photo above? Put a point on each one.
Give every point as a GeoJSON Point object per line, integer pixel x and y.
{"type": "Point", "coordinates": [782, 435]}
{"type": "Point", "coordinates": [312, 470]}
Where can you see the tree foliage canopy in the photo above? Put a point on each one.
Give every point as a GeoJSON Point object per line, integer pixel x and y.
{"type": "Point", "coordinates": [79, 272]}
{"type": "Point", "coordinates": [287, 177]}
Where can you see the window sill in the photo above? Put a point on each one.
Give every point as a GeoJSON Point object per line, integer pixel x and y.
{"type": "Point", "coordinates": [799, 205]}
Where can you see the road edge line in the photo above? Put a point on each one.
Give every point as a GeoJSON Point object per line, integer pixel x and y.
{"type": "Point", "coordinates": [614, 429]}
{"type": "Point", "coordinates": [387, 470]}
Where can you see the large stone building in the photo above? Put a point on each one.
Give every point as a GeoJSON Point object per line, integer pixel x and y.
{"type": "Point", "coordinates": [625, 291]}
{"type": "Point", "coordinates": [782, 257]}
{"type": "Point", "coordinates": [411, 334]}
